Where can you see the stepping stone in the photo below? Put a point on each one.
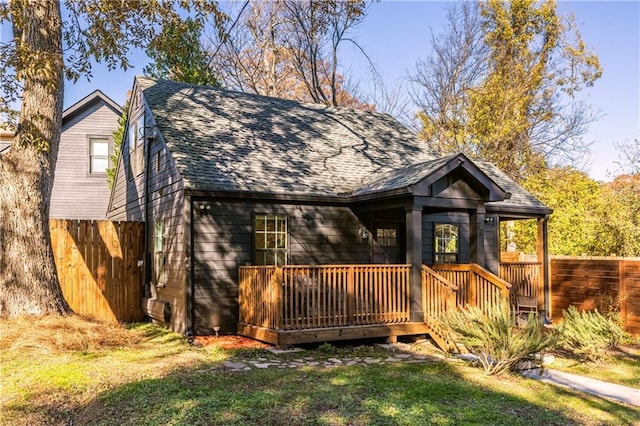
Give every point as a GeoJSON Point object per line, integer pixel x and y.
{"type": "Point", "coordinates": [403, 356]}
{"type": "Point", "coordinates": [265, 365]}
{"type": "Point", "coordinates": [235, 365]}
{"type": "Point", "coordinates": [372, 360]}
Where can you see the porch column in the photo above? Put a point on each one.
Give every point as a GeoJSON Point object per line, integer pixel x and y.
{"type": "Point", "coordinates": [414, 257]}
{"type": "Point", "coordinates": [543, 258]}
{"type": "Point", "coordinates": [477, 236]}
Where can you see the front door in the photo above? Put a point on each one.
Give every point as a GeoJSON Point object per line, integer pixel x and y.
{"type": "Point", "coordinates": [388, 243]}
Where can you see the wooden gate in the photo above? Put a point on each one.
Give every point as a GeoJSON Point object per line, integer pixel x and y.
{"type": "Point", "coordinates": [97, 264]}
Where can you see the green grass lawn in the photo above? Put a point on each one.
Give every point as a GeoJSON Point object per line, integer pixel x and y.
{"type": "Point", "coordinates": [158, 379]}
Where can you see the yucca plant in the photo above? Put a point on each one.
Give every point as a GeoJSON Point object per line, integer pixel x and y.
{"type": "Point", "coordinates": [588, 334]}
{"type": "Point", "coordinates": [492, 336]}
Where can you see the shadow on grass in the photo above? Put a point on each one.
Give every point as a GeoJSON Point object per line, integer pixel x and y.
{"type": "Point", "coordinates": [430, 393]}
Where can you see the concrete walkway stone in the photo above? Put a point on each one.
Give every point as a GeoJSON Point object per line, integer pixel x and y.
{"type": "Point", "coordinates": [588, 385]}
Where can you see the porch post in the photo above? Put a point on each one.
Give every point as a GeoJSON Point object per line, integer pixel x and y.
{"type": "Point", "coordinates": [414, 257]}
{"type": "Point", "coordinates": [477, 237]}
{"type": "Point", "coordinates": [543, 258]}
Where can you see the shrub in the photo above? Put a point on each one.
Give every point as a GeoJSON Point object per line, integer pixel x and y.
{"type": "Point", "coordinates": [494, 339]}
{"type": "Point", "coordinates": [588, 334]}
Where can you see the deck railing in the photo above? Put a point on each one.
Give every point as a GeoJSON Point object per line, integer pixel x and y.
{"type": "Point", "coordinates": [525, 279]}
{"type": "Point", "coordinates": [306, 297]}
{"type": "Point", "coordinates": [328, 296]}
{"type": "Point", "coordinates": [438, 293]}
{"type": "Point", "coordinates": [476, 285]}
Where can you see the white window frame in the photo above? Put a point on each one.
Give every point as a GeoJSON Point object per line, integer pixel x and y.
{"type": "Point", "coordinates": [442, 242]}
{"type": "Point", "coordinates": [90, 141]}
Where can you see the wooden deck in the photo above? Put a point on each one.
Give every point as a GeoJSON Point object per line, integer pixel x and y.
{"type": "Point", "coordinates": [304, 304]}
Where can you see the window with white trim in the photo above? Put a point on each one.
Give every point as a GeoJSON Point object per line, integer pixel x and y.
{"type": "Point", "coordinates": [158, 251]}
{"type": "Point", "coordinates": [270, 240]}
{"type": "Point", "coordinates": [446, 243]}
{"type": "Point", "coordinates": [98, 155]}
{"type": "Point", "coordinates": [136, 146]}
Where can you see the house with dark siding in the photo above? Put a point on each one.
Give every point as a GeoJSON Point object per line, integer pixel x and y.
{"type": "Point", "coordinates": [80, 189]}
{"type": "Point", "coordinates": [227, 180]}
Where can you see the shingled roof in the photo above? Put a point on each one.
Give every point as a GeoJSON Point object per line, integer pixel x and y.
{"type": "Point", "coordinates": [222, 140]}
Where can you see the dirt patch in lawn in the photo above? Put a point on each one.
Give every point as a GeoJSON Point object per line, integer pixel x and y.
{"type": "Point", "coordinates": [230, 342]}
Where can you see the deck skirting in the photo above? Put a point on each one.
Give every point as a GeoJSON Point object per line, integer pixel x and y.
{"type": "Point", "coordinates": [284, 338]}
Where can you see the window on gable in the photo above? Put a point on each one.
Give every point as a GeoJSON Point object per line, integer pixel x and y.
{"type": "Point", "coordinates": [446, 243]}
{"type": "Point", "coordinates": [136, 146]}
{"type": "Point", "coordinates": [270, 240]}
{"type": "Point", "coordinates": [98, 155]}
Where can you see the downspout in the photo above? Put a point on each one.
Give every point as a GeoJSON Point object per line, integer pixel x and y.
{"type": "Point", "coordinates": [546, 266]}
{"type": "Point", "coordinates": [147, 255]}
{"type": "Point", "coordinates": [189, 299]}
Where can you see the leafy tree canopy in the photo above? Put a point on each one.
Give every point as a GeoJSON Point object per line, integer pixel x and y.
{"type": "Point", "coordinates": [502, 82]}
{"type": "Point", "coordinates": [177, 54]}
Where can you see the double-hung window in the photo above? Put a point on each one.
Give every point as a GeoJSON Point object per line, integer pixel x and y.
{"type": "Point", "coordinates": [446, 243]}
{"type": "Point", "coordinates": [98, 155]}
{"type": "Point", "coordinates": [270, 240]}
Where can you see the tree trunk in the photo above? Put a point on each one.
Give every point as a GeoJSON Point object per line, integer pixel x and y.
{"type": "Point", "coordinates": [28, 280]}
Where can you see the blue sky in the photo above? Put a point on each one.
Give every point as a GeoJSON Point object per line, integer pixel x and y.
{"type": "Point", "coordinates": [396, 35]}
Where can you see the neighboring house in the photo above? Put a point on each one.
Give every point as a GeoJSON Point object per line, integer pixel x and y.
{"type": "Point", "coordinates": [226, 179]}
{"type": "Point", "coordinates": [80, 189]}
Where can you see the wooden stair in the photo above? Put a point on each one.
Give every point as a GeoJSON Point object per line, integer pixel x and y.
{"type": "Point", "coordinates": [441, 336]}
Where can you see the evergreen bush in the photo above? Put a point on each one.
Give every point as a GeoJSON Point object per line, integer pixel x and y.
{"type": "Point", "coordinates": [499, 345]}
{"type": "Point", "coordinates": [587, 335]}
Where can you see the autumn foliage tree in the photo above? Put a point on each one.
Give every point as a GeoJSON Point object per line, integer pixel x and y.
{"type": "Point", "coordinates": [289, 49]}
{"type": "Point", "coordinates": [589, 217]}
{"type": "Point", "coordinates": [44, 49]}
{"type": "Point", "coordinates": [501, 85]}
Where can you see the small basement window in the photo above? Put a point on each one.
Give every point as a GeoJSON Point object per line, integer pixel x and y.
{"type": "Point", "coordinates": [446, 243]}
{"type": "Point", "coordinates": [270, 240]}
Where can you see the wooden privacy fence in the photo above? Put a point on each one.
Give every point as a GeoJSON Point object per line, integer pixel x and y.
{"type": "Point", "coordinates": [308, 297]}
{"type": "Point", "coordinates": [97, 264]}
{"type": "Point", "coordinates": [597, 282]}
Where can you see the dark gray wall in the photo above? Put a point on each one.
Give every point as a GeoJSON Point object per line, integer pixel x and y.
{"type": "Point", "coordinates": [166, 201]}
{"type": "Point", "coordinates": [77, 194]}
{"type": "Point", "coordinates": [223, 241]}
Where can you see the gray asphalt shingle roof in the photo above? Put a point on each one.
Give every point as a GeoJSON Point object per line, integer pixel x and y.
{"type": "Point", "coordinates": [229, 141]}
